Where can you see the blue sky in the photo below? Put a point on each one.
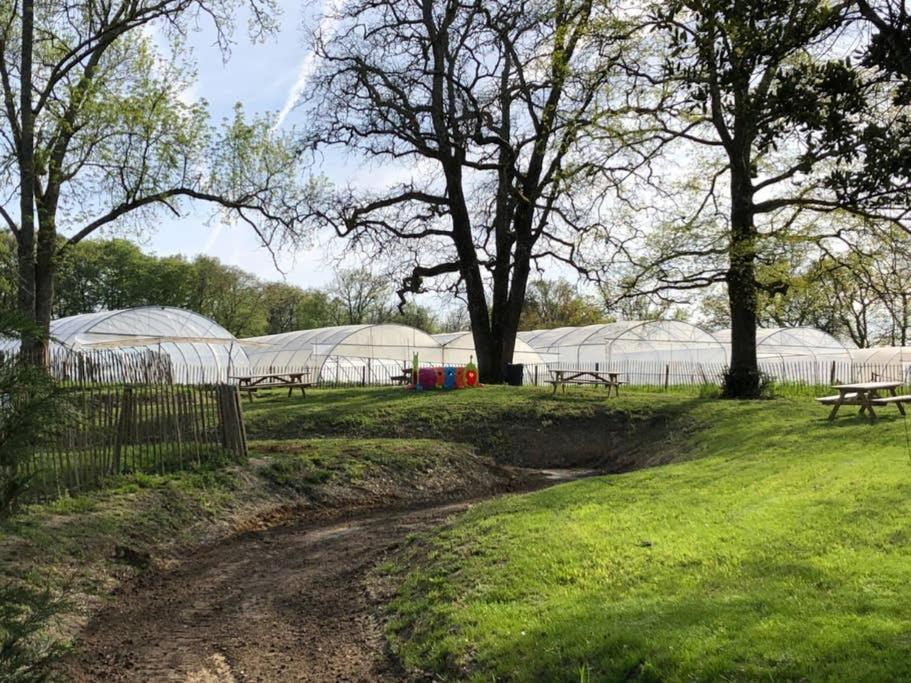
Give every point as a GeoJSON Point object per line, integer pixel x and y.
{"type": "Point", "coordinates": [262, 77]}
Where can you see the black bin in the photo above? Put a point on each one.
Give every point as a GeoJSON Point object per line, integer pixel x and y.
{"type": "Point", "coordinates": [514, 374]}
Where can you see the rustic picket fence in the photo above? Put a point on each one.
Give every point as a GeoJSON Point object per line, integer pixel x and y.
{"type": "Point", "coordinates": [152, 366]}
{"type": "Point", "coordinates": [150, 428]}
{"type": "Point", "coordinates": [801, 376]}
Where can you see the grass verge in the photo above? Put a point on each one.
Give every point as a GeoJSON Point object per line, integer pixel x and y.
{"type": "Point", "coordinates": [395, 411]}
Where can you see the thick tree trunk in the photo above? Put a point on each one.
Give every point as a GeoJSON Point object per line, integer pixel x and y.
{"type": "Point", "coordinates": [742, 380]}
{"type": "Point", "coordinates": [45, 273]}
{"type": "Point", "coordinates": [32, 345]}
{"type": "Point", "coordinates": [478, 313]}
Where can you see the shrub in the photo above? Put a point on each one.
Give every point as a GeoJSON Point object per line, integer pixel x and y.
{"type": "Point", "coordinates": [26, 651]}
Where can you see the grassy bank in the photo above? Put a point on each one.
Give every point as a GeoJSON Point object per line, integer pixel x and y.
{"type": "Point", "coordinates": [777, 549]}
{"type": "Point", "coordinates": [83, 547]}
{"type": "Point", "coordinates": [394, 411]}
{"type": "Point", "coordinates": [528, 426]}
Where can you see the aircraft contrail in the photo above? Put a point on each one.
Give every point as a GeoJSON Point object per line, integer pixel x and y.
{"type": "Point", "coordinates": [326, 29]}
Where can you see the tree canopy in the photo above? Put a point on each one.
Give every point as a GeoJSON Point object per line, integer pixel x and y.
{"type": "Point", "coordinates": [96, 130]}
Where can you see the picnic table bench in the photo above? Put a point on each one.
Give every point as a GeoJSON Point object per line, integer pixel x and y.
{"type": "Point", "coordinates": [404, 378]}
{"type": "Point", "coordinates": [605, 378]}
{"type": "Point", "coordinates": [866, 395]}
{"type": "Point", "coordinates": [274, 380]}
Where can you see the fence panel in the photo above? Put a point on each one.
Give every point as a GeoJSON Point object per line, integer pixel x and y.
{"type": "Point", "coordinates": [153, 428]}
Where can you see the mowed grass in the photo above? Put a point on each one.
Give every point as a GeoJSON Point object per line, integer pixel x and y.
{"type": "Point", "coordinates": [779, 548]}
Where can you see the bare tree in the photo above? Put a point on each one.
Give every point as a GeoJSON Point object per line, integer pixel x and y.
{"type": "Point", "coordinates": [359, 296]}
{"type": "Point", "coordinates": [502, 108]}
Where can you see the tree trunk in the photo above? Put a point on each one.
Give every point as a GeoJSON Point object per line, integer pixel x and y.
{"type": "Point", "coordinates": [478, 313]}
{"type": "Point", "coordinates": [742, 379]}
{"type": "Point", "coordinates": [26, 236]}
{"type": "Point", "coordinates": [45, 272]}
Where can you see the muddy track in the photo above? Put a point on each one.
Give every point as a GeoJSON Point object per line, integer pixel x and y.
{"type": "Point", "coordinates": [283, 604]}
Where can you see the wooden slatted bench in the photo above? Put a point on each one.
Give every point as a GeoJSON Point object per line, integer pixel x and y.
{"type": "Point", "coordinates": [849, 399]}
{"type": "Point", "coordinates": [898, 400]}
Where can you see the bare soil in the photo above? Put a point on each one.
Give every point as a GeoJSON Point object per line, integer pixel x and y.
{"type": "Point", "coordinates": [288, 603]}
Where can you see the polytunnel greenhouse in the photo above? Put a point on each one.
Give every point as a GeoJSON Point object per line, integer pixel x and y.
{"type": "Point", "coordinates": [642, 351]}
{"type": "Point", "coordinates": [794, 344]}
{"type": "Point", "coordinates": [458, 349]}
{"type": "Point", "coordinates": [348, 354]}
{"type": "Point", "coordinates": [881, 362]}
{"type": "Point", "coordinates": [185, 346]}
{"type": "Point", "coordinates": [802, 354]}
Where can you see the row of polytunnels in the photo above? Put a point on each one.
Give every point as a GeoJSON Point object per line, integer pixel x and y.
{"type": "Point", "coordinates": [645, 350]}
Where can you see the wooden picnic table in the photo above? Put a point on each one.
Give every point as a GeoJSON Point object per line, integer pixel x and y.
{"type": "Point", "coordinates": [405, 377]}
{"type": "Point", "coordinates": [866, 395]}
{"type": "Point", "coordinates": [274, 380]}
{"type": "Point", "coordinates": [606, 378]}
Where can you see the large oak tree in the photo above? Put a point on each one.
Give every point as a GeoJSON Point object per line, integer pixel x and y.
{"type": "Point", "coordinates": [502, 109]}
{"type": "Point", "coordinates": [768, 87]}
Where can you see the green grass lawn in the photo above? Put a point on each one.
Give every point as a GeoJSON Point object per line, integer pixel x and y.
{"type": "Point", "coordinates": [778, 547]}
{"type": "Point", "coordinates": [773, 545]}
{"type": "Point", "coordinates": [395, 411]}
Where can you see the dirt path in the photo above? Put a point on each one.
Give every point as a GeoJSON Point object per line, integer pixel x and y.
{"type": "Point", "coordinates": [284, 604]}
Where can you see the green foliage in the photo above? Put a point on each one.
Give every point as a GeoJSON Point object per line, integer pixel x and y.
{"type": "Point", "coordinates": [289, 308]}
{"type": "Point", "coordinates": [109, 274]}
{"type": "Point", "coordinates": [556, 303]}
{"type": "Point", "coordinates": [760, 386]}
{"type": "Point", "coordinates": [879, 177]}
{"type": "Point", "coordinates": [32, 408]}
{"type": "Point", "coordinates": [709, 391]}
{"type": "Point", "coordinates": [25, 648]}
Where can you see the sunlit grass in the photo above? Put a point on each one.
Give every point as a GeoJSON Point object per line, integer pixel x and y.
{"type": "Point", "coordinates": [777, 549]}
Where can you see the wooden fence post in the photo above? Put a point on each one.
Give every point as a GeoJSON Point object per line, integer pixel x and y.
{"type": "Point", "coordinates": [123, 426]}
{"type": "Point", "coordinates": [241, 427]}
{"type": "Point", "coordinates": [667, 376]}
{"type": "Point", "coordinates": [233, 436]}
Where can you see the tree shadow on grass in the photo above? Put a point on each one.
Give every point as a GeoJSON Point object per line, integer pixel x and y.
{"type": "Point", "coordinates": [787, 631]}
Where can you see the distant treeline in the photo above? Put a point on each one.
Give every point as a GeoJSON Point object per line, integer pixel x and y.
{"type": "Point", "coordinates": [109, 274]}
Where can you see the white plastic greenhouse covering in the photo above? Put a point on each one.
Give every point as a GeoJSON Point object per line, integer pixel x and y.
{"type": "Point", "coordinates": [458, 349]}
{"type": "Point", "coordinates": [368, 354]}
{"type": "Point", "coordinates": [881, 362]}
{"type": "Point", "coordinates": [629, 340]}
{"type": "Point", "coordinates": [199, 349]}
{"type": "Point", "coordinates": [642, 351]}
{"type": "Point", "coordinates": [799, 354]}
{"type": "Point", "coordinates": [794, 344]}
